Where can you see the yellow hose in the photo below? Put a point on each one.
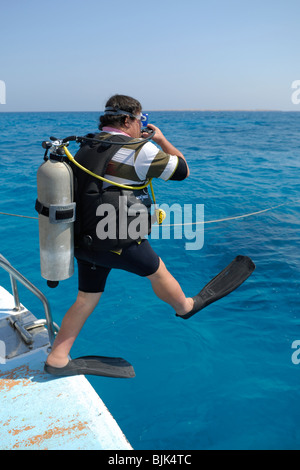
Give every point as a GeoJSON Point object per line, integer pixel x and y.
{"type": "Point", "coordinates": [72, 159]}
{"type": "Point", "coordinates": [160, 214]}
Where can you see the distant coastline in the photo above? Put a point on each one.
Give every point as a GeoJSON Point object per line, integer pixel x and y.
{"type": "Point", "coordinates": [172, 111]}
{"type": "Point", "coordinates": [227, 110]}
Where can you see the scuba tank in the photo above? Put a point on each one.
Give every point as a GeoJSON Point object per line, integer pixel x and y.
{"type": "Point", "coordinates": [55, 190]}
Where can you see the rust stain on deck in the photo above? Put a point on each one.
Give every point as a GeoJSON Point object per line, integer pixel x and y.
{"type": "Point", "coordinates": [74, 431]}
{"type": "Point", "coordinates": [17, 376]}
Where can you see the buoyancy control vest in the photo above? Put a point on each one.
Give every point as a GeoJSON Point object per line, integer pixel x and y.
{"type": "Point", "coordinates": [108, 218]}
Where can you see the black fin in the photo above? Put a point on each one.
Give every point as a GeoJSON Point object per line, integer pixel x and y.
{"type": "Point", "coordinates": [94, 365]}
{"type": "Point", "coordinates": [225, 282]}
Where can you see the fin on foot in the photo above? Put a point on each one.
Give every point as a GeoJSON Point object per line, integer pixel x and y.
{"type": "Point", "coordinates": [94, 365]}
{"type": "Point", "coordinates": [221, 285]}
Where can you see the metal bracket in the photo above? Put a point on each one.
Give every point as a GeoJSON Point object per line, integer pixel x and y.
{"type": "Point", "coordinates": [25, 335]}
{"type": "Point", "coordinates": [62, 214]}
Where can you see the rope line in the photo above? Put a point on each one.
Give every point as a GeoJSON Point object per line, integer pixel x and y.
{"type": "Point", "coordinates": [193, 223]}
{"type": "Point", "coordinates": [227, 218]}
{"type": "Point", "coordinates": [18, 215]}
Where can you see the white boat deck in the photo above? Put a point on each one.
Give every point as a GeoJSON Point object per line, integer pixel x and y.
{"type": "Point", "coordinates": [39, 412]}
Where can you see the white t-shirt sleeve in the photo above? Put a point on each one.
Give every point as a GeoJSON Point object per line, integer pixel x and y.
{"type": "Point", "coordinates": [151, 162]}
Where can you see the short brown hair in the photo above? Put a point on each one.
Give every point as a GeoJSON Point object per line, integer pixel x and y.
{"type": "Point", "coordinates": [123, 103]}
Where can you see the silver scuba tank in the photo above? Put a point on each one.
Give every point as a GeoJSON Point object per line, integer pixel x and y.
{"type": "Point", "coordinates": [55, 190]}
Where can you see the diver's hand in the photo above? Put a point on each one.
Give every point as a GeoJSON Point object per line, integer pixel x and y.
{"type": "Point", "coordinates": [158, 137]}
{"type": "Point", "coordinates": [164, 144]}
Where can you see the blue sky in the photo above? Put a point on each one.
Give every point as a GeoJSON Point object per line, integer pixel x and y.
{"type": "Point", "coordinates": [71, 55]}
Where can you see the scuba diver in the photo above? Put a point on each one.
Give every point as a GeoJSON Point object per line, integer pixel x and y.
{"type": "Point", "coordinates": [123, 154]}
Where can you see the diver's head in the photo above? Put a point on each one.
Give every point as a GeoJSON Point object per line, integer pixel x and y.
{"type": "Point", "coordinates": [124, 113]}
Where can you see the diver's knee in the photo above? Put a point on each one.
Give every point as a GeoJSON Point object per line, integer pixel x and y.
{"type": "Point", "coordinates": [159, 272]}
{"type": "Point", "coordinates": [90, 299]}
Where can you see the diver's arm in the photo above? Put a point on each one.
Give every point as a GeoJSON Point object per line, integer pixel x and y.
{"type": "Point", "coordinates": [165, 145]}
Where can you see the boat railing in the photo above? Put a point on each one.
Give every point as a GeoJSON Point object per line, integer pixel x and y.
{"type": "Point", "coordinates": [17, 276]}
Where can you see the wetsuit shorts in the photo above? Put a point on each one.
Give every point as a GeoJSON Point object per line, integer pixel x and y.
{"type": "Point", "coordinates": [94, 267]}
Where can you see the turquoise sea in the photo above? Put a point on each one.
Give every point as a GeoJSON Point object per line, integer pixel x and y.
{"type": "Point", "coordinates": [229, 377]}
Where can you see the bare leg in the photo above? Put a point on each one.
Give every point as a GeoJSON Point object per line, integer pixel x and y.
{"type": "Point", "coordinates": [164, 285]}
{"type": "Point", "coordinates": [168, 289]}
{"type": "Point", "coordinates": [71, 325]}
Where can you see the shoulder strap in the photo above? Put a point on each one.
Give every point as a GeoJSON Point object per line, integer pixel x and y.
{"type": "Point", "coordinates": [95, 154]}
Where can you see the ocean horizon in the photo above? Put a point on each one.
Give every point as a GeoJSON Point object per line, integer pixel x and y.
{"type": "Point", "coordinates": [168, 110]}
